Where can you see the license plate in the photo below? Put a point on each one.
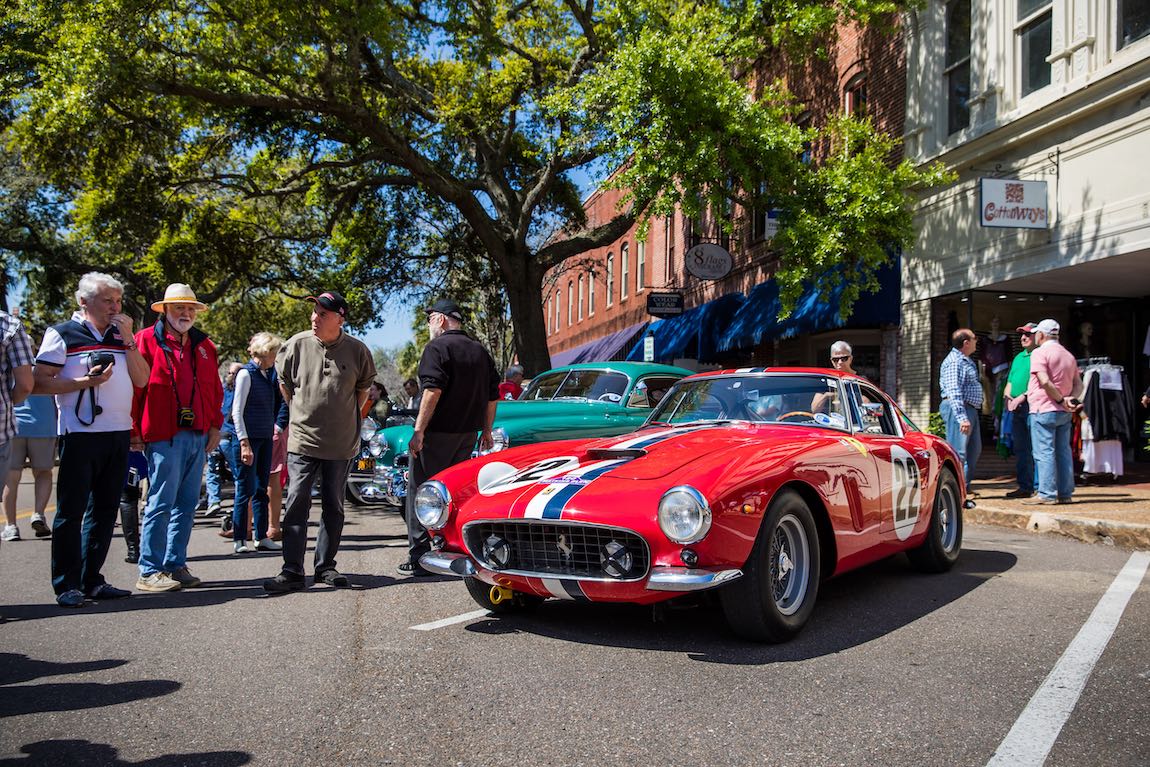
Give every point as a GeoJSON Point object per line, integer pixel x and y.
{"type": "Point", "coordinates": [365, 464]}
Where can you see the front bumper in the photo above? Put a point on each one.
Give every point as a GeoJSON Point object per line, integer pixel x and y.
{"type": "Point", "coordinates": [666, 579]}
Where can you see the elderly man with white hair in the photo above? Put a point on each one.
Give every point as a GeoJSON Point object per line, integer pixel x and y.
{"type": "Point", "coordinates": [841, 357]}
{"type": "Point", "coordinates": [177, 418]}
{"type": "Point", "coordinates": [91, 364]}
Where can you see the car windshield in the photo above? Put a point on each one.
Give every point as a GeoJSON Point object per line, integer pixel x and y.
{"type": "Point", "coordinates": [786, 398]}
{"type": "Point", "coordinates": [605, 385]}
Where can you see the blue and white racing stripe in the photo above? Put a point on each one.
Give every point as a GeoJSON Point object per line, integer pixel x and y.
{"type": "Point", "coordinates": [564, 589]}
{"type": "Point", "coordinates": [548, 503]}
{"type": "Point", "coordinates": [638, 443]}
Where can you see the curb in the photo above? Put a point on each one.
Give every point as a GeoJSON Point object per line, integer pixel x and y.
{"type": "Point", "coordinates": [1123, 534]}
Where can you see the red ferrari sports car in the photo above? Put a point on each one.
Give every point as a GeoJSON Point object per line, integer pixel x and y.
{"type": "Point", "coordinates": [758, 483]}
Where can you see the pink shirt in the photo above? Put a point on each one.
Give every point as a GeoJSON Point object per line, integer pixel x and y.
{"type": "Point", "coordinates": [1060, 368]}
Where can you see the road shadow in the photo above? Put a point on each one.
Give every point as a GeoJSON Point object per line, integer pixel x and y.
{"type": "Point", "coordinates": [851, 610]}
{"type": "Point", "coordinates": [83, 753]}
{"type": "Point", "coordinates": [16, 668]}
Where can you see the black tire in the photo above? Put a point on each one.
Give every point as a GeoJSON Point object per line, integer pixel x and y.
{"type": "Point", "coordinates": [767, 605]}
{"type": "Point", "coordinates": [519, 602]}
{"type": "Point", "coordinates": [940, 549]}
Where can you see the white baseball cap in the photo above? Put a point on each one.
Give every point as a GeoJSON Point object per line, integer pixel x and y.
{"type": "Point", "coordinates": [1048, 327]}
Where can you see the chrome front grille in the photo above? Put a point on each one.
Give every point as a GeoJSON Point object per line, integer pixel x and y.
{"type": "Point", "coordinates": [557, 549]}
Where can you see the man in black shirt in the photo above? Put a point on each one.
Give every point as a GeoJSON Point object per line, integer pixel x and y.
{"type": "Point", "coordinates": [460, 390]}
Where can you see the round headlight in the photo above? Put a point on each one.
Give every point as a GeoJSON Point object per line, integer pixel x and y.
{"type": "Point", "coordinates": [375, 446]}
{"type": "Point", "coordinates": [499, 441]}
{"type": "Point", "coordinates": [367, 429]}
{"type": "Point", "coordinates": [432, 502]}
{"type": "Point", "coordinates": [684, 516]}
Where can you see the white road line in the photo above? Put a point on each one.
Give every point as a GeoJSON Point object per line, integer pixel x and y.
{"type": "Point", "coordinates": [1030, 739]}
{"type": "Point", "coordinates": [451, 621]}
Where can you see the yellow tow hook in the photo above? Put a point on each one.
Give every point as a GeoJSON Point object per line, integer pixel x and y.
{"type": "Point", "coordinates": [500, 594]}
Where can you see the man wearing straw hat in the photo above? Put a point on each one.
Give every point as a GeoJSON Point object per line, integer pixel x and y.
{"type": "Point", "coordinates": [177, 417]}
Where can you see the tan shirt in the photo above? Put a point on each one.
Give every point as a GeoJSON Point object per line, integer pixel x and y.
{"type": "Point", "coordinates": [324, 382]}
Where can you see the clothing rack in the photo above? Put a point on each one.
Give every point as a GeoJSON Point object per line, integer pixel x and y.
{"type": "Point", "coordinates": [1086, 362]}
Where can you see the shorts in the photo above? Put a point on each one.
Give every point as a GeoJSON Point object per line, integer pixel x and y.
{"type": "Point", "coordinates": [279, 451]}
{"type": "Point", "coordinates": [40, 453]}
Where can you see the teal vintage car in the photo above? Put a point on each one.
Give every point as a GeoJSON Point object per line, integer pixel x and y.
{"type": "Point", "coordinates": [589, 399]}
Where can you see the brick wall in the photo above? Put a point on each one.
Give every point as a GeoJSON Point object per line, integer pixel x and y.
{"type": "Point", "coordinates": [819, 85]}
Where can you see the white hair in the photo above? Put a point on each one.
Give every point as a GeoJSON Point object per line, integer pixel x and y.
{"type": "Point", "coordinates": [841, 347]}
{"type": "Point", "coordinates": [93, 282]}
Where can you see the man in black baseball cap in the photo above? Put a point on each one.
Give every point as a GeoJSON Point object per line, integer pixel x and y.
{"type": "Point", "coordinates": [446, 307]}
{"type": "Point", "coordinates": [331, 301]}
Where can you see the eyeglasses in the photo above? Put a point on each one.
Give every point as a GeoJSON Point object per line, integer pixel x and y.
{"type": "Point", "coordinates": [844, 358]}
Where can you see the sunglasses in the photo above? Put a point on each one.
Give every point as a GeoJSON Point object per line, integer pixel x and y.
{"type": "Point", "coordinates": [841, 359]}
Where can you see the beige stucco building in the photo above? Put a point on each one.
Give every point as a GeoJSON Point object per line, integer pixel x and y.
{"type": "Point", "coordinates": [1033, 90]}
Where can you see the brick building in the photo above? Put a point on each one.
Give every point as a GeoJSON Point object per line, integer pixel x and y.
{"type": "Point", "coordinates": [596, 303]}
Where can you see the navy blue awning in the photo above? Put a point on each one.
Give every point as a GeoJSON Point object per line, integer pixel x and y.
{"type": "Point", "coordinates": [756, 321]}
{"type": "Point", "coordinates": [600, 350]}
{"type": "Point", "coordinates": [694, 333]}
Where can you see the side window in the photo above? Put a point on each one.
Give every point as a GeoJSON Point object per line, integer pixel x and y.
{"type": "Point", "coordinates": [875, 415]}
{"type": "Point", "coordinates": [649, 391]}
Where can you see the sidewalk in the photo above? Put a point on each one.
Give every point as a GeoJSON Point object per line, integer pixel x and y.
{"type": "Point", "coordinates": [1115, 513]}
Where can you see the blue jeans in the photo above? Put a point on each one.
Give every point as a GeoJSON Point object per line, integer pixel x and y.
{"type": "Point", "coordinates": [1050, 433]}
{"type": "Point", "coordinates": [252, 487]}
{"type": "Point", "coordinates": [174, 470]}
{"type": "Point", "coordinates": [229, 449]}
{"type": "Point", "coordinates": [968, 446]}
{"type": "Point", "coordinates": [1020, 431]}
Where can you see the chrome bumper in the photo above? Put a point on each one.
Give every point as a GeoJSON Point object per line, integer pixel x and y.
{"type": "Point", "coordinates": [444, 563]}
{"type": "Point", "coordinates": [686, 579]}
{"type": "Point", "coordinates": [661, 578]}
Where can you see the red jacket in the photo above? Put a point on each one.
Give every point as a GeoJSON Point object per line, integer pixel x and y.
{"type": "Point", "coordinates": [154, 407]}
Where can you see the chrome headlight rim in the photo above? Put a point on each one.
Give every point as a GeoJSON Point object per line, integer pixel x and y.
{"type": "Point", "coordinates": [499, 441]}
{"type": "Point", "coordinates": [432, 504]}
{"type": "Point", "coordinates": [702, 509]}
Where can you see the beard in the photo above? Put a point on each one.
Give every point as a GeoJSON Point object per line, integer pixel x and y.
{"type": "Point", "coordinates": [180, 324]}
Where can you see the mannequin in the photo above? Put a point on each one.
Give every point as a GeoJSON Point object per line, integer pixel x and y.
{"type": "Point", "coordinates": [1085, 333]}
{"type": "Point", "coordinates": [996, 350]}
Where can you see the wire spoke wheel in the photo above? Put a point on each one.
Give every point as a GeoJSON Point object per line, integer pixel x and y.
{"type": "Point", "coordinates": [790, 565]}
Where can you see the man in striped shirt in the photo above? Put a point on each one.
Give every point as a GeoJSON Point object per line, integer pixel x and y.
{"type": "Point", "coordinates": [15, 380]}
{"type": "Point", "coordinates": [962, 400]}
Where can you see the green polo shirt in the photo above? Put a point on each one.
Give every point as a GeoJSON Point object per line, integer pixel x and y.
{"type": "Point", "coordinates": [1019, 375]}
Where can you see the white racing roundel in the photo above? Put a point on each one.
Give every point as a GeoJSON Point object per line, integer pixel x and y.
{"type": "Point", "coordinates": [905, 491]}
{"type": "Point", "coordinates": [498, 477]}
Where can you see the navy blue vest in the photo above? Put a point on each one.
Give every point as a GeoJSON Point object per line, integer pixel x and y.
{"type": "Point", "coordinates": [263, 402]}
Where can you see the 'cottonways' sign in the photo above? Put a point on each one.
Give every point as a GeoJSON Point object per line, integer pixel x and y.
{"type": "Point", "coordinates": [1006, 202]}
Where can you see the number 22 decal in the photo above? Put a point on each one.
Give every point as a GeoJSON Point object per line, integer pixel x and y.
{"type": "Point", "coordinates": [905, 491]}
{"type": "Point", "coordinates": [501, 477]}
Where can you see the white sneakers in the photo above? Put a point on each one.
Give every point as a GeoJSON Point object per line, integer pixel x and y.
{"type": "Point", "coordinates": [265, 544]}
{"type": "Point", "coordinates": [157, 582]}
{"type": "Point", "coordinates": [10, 533]}
{"type": "Point", "coordinates": [40, 526]}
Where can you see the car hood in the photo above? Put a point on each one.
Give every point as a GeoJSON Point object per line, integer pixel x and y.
{"type": "Point", "coordinates": [669, 450]}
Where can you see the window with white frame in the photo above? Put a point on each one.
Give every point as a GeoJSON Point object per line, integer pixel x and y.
{"type": "Point", "coordinates": [854, 96]}
{"type": "Point", "coordinates": [548, 317]}
{"type": "Point", "coordinates": [1133, 21]}
{"type": "Point", "coordinates": [669, 254]}
{"type": "Point", "coordinates": [957, 69]}
{"type": "Point", "coordinates": [624, 269]}
{"type": "Point", "coordinates": [610, 278]}
{"type": "Point", "coordinates": [591, 294]}
{"type": "Point", "coordinates": [1033, 31]}
{"type": "Point", "coordinates": [570, 302]}
{"type": "Point", "coordinates": [557, 309]}
{"type": "Point", "coordinates": [640, 265]}
{"type": "Point", "coordinates": [582, 297]}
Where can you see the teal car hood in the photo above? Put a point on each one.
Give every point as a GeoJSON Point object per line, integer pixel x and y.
{"type": "Point", "coordinates": [527, 422]}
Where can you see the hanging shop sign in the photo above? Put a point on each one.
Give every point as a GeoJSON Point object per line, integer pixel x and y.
{"type": "Point", "coordinates": [664, 304]}
{"type": "Point", "coordinates": [1010, 203]}
{"type": "Point", "coordinates": [709, 261]}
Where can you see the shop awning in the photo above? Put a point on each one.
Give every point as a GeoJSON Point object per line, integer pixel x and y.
{"type": "Point", "coordinates": [815, 312]}
{"type": "Point", "coordinates": [694, 333]}
{"type": "Point", "coordinates": [600, 350]}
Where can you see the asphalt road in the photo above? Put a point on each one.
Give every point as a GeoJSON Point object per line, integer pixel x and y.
{"type": "Point", "coordinates": [895, 668]}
